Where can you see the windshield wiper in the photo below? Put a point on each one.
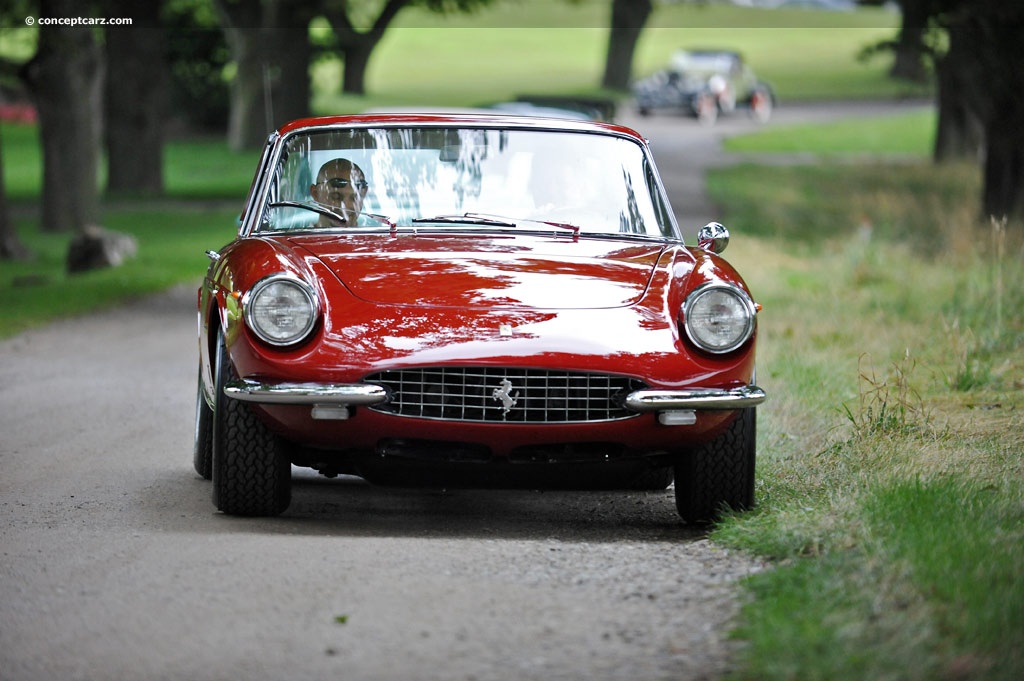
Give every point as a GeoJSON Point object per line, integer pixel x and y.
{"type": "Point", "coordinates": [468, 219]}
{"type": "Point", "coordinates": [333, 214]}
{"type": "Point", "coordinates": [496, 221]}
{"type": "Point", "coordinates": [561, 225]}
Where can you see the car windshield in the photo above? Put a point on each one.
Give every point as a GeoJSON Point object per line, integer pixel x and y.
{"type": "Point", "coordinates": [451, 178]}
{"type": "Point", "coordinates": [704, 62]}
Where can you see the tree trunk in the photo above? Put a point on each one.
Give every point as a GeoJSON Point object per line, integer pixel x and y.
{"type": "Point", "coordinates": [1004, 170]}
{"type": "Point", "coordinates": [356, 47]}
{"type": "Point", "coordinates": [1003, 194]}
{"type": "Point", "coordinates": [269, 43]}
{"type": "Point", "coordinates": [628, 19]}
{"type": "Point", "coordinates": [960, 133]}
{"type": "Point", "coordinates": [136, 100]}
{"type": "Point", "coordinates": [65, 78]}
{"type": "Point", "coordinates": [981, 46]}
{"type": "Point", "coordinates": [909, 61]}
{"type": "Point", "coordinates": [357, 59]}
{"type": "Point", "coordinates": [291, 88]}
{"type": "Point", "coordinates": [249, 118]}
{"type": "Point", "coordinates": [1004, 133]}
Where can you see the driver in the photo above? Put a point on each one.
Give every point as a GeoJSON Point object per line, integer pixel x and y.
{"type": "Point", "coordinates": [340, 185]}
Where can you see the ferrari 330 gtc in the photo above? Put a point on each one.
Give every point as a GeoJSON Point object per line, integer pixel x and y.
{"type": "Point", "coordinates": [472, 300]}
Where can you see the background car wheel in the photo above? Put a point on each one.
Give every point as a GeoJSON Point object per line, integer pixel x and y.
{"type": "Point", "coordinates": [707, 108]}
{"type": "Point", "coordinates": [202, 449]}
{"type": "Point", "coordinates": [719, 474]}
{"type": "Point", "coordinates": [761, 105]}
{"type": "Point", "coordinates": [251, 474]}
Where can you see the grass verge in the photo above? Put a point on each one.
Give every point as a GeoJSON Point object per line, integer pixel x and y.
{"type": "Point", "coordinates": [911, 134]}
{"type": "Point", "coordinates": [891, 494]}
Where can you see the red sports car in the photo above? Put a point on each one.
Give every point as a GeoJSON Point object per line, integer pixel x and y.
{"type": "Point", "coordinates": [472, 300]}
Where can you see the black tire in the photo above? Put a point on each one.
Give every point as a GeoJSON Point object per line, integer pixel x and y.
{"type": "Point", "coordinates": [761, 104]}
{"type": "Point", "coordinates": [202, 449]}
{"type": "Point", "coordinates": [251, 474]}
{"type": "Point", "coordinates": [706, 108]}
{"type": "Point", "coordinates": [720, 474]}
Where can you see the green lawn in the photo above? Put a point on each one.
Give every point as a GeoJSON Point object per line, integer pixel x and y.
{"type": "Point", "coordinates": [541, 47]}
{"type": "Point", "coordinates": [909, 134]}
{"type": "Point", "coordinates": [171, 245]}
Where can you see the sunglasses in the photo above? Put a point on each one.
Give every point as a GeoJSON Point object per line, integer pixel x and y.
{"type": "Point", "coordinates": [341, 183]}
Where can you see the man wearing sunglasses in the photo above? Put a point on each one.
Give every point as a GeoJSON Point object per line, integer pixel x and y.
{"type": "Point", "coordinates": [340, 185]}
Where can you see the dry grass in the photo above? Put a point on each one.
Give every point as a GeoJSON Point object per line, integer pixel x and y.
{"type": "Point", "coordinates": [893, 438]}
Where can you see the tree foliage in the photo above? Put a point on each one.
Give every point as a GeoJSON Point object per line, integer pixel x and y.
{"type": "Point", "coordinates": [197, 56]}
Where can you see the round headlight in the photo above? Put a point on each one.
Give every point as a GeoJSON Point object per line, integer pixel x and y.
{"type": "Point", "coordinates": [718, 317]}
{"type": "Point", "coordinates": [281, 310]}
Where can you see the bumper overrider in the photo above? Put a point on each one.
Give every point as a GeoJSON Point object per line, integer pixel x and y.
{"type": "Point", "coordinates": [332, 400]}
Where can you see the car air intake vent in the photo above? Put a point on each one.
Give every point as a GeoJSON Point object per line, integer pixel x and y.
{"type": "Point", "coordinates": [496, 394]}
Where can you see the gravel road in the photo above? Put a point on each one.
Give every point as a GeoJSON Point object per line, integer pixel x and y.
{"type": "Point", "coordinates": [114, 564]}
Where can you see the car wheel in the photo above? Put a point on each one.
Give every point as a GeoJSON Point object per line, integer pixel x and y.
{"type": "Point", "coordinates": [761, 105]}
{"type": "Point", "coordinates": [719, 474]}
{"type": "Point", "coordinates": [707, 109]}
{"type": "Point", "coordinates": [202, 449]}
{"type": "Point", "coordinates": [251, 474]}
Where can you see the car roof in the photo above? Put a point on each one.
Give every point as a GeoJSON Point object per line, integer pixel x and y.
{"type": "Point", "coordinates": [709, 52]}
{"type": "Point", "coordinates": [460, 119]}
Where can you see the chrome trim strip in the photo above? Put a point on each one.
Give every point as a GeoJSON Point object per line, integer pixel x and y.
{"type": "Point", "coordinates": [698, 398]}
{"type": "Point", "coordinates": [306, 393]}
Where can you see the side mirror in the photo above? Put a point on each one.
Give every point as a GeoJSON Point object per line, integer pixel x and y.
{"type": "Point", "coordinates": [713, 237]}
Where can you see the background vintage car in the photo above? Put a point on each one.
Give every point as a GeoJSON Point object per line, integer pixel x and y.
{"type": "Point", "coordinates": [704, 84]}
{"type": "Point", "coordinates": [513, 306]}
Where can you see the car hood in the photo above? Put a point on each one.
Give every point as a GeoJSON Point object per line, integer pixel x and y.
{"type": "Point", "coordinates": [487, 272]}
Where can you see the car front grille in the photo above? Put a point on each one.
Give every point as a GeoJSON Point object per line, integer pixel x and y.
{"type": "Point", "coordinates": [496, 394]}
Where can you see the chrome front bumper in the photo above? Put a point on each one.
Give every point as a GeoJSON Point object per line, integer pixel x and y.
{"type": "Point", "coordinates": [695, 399]}
{"type": "Point", "coordinates": [680, 407]}
{"type": "Point", "coordinates": [342, 394]}
{"type": "Point", "coordinates": [359, 394]}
